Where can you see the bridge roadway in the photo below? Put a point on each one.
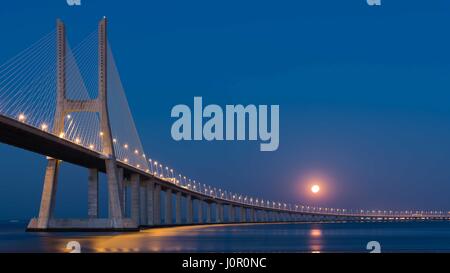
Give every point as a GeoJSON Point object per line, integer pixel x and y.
{"type": "Point", "coordinates": [146, 213]}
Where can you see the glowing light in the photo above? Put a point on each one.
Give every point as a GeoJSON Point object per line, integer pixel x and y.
{"type": "Point", "coordinates": [101, 133]}
{"type": "Point", "coordinates": [77, 140]}
{"type": "Point", "coordinates": [136, 151]}
{"type": "Point", "coordinates": [315, 189]}
{"type": "Point", "coordinates": [315, 233]}
{"type": "Point", "coordinates": [91, 146]}
{"type": "Point", "coordinates": [61, 135]}
{"type": "Point", "coordinates": [114, 140]}
{"type": "Point", "coordinates": [125, 160]}
{"type": "Point", "coordinates": [22, 117]}
{"type": "Point", "coordinates": [125, 146]}
{"type": "Point", "coordinates": [44, 127]}
{"type": "Point", "coordinates": [69, 116]}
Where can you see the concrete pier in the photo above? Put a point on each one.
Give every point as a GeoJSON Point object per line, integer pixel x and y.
{"type": "Point", "coordinates": [200, 211]}
{"type": "Point", "coordinates": [252, 215]}
{"type": "Point", "coordinates": [178, 208]}
{"type": "Point", "coordinates": [122, 191]}
{"type": "Point", "coordinates": [208, 213]}
{"type": "Point", "coordinates": [242, 214]}
{"type": "Point", "coordinates": [190, 209]}
{"type": "Point", "coordinates": [232, 214]}
{"type": "Point", "coordinates": [143, 202]}
{"type": "Point", "coordinates": [48, 194]}
{"type": "Point", "coordinates": [135, 198]}
{"type": "Point", "coordinates": [218, 213]}
{"type": "Point", "coordinates": [157, 205]}
{"type": "Point", "coordinates": [168, 218]}
{"type": "Point", "coordinates": [93, 193]}
{"type": "Point", "coordinates": [150, 202]}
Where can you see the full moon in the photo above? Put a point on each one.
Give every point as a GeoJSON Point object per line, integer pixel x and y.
{"type": "Point", "coordinates": [315, 189]}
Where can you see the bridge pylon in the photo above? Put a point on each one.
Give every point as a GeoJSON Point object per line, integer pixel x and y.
{"type": "Point", "coordinates": [65, 106]}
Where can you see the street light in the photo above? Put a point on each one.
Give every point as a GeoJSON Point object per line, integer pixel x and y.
{"type": "Point", "coordinates": [44, 127]}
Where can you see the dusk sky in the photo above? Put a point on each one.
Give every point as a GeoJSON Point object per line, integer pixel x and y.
{"type": "Point", "coordinates": [364, 95]}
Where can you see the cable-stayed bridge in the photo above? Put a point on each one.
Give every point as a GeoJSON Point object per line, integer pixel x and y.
{"type": "Point", "coordinates": [69, 105]}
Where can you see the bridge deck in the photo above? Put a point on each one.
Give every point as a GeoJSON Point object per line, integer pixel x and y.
{"type": "Point", "coordinates": [21, 135]}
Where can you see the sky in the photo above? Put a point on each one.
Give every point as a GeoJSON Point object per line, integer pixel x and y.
{"type": "Point", "coordinates": [364, 95]}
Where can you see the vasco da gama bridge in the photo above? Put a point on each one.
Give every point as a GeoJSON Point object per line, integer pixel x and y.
{"type": "Point", "coordinates": [69, 105]}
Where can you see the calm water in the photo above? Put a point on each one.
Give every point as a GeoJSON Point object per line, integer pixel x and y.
{"type": "Point", "coordinates": [306, 237]}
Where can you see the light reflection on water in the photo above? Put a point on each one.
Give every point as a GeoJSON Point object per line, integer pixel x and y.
{"type": "Point", "coordinates": [306, 237]}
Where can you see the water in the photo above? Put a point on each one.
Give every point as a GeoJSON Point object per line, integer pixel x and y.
{"type": "Point", "coordinates": [305, 237]}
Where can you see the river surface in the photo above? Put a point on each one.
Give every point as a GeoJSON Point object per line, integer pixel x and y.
{"type": "Point", "coordinates": [292, 237]}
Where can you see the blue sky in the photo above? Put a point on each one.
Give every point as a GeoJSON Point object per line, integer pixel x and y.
{"type": "Point", "coordinates": [363, 94]}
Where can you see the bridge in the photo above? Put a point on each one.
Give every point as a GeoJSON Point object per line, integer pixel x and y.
{"type": "Point", "coordinates": [69, 105]}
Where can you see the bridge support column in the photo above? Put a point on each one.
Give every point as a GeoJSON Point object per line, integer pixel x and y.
{"type": "Point", "coordinates": [252, 215]}
{"type": "Point", "coordinates": [143, 204]}
{"type": "Point", "coordinates": [157, 205]}
{"type": "Point", "coordinates": [190, 209]}
{"type": "Point", "coordinates": [218, 209]}
{"type": "Point", "coordinates": [232, 216]}
{"type": "Point", "coordinates": [150, 185]}
{"type": "Point", "coordinates": [125, 200]}
{"type": "Point", "coordinates": [48, 193]}
{"type": "Point", "coordinates": [293, 217]}
{"type": "Point", "coordinates": [178, 208]}
{"type": "Point", "coordinates": [168, 219]}
{"type": "Point", "coordinates": [208, 213]}
{"type": "Point", "coordinates": [221, 213]}
{"type": "Point", "coordinates": [135, 198]}
{"type": "Point", "coordinates": [242, 215]}
{"type": "Point", "coordinates": [93, 193]}
{"type": "Point", "coordinates": [115, 211]}
{"type": "Point", "coordinates": [200, 211]}
{"type": "Point", "coordinates": [121, 190]}
{"type": "Point", "coordinates": [65, 106]}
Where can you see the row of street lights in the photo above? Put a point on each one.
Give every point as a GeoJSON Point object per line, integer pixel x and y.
{"type": "Point", "coordinates": [165, 173]}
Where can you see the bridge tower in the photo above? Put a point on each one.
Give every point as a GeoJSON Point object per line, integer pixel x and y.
{"type": "Point", "coordinates": [64, 107]}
